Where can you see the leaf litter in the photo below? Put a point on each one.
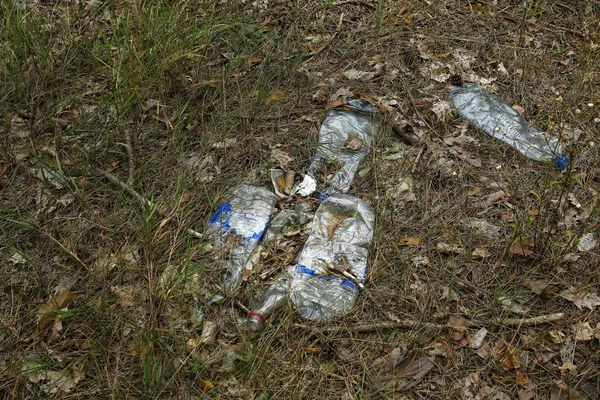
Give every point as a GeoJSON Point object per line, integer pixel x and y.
{"type": "Point", "coordinates": [403, 371]}
{"type": "Point", "coordinates": [581, 298]}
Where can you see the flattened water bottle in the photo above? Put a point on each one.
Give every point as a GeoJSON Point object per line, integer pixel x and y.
{"type": "Point", "coordinates": [237, 227]}
{"type": "Point", "coordinates": [501, 121]}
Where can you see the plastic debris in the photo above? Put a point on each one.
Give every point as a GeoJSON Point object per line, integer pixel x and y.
{"type": "Point", "coordinates": [501, 121]}
{"type": "Point", "coordinates": [284, 219]}
{"type": "Point", "coordinates": [344, 140]}
{"type": "Point", "coordinates": [274, 298]}
{"type": "Point", "coordinates": [306, 187]}
{"type": "Point", "coordinates": [331, 267]}
{"type": "Point", "coordinates": [237, 227]}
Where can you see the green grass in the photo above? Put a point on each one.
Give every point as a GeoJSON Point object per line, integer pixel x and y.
{"type": "Point", "coordinates": [133, 88]}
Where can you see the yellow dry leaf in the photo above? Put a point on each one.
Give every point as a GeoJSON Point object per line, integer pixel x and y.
{"type": "Point", "coordinates": [47, 312]}
{"type": "Point", "coordinates": [204, 385]}
{"type": "Point", "coordinates": [275, 96]}
{"type": "Point", "coordinates": [254, 60]}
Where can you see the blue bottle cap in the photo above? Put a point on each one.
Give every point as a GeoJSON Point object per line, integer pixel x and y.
{"type": "Point", "coordinates": [562, 162]}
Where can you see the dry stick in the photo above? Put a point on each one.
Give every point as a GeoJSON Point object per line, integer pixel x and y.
{"type": "Point", "coordinates": [355, 2]}
{"type": "Point", "coordinates": [540, 320]}
{"type": "Point", "coordinates": [348, 275]}
{"type": "Point", "coordinates": [129, 148]}
{"type": "Point", "coordinates": [417, 158]}
{"type": "Point", "coordinates": [129, 189]}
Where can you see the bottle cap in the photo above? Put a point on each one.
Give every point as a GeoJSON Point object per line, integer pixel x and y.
{"type": "Point", "coordinates": [255, 321]}
{"type": "Point", "coordinates": [562, 162]}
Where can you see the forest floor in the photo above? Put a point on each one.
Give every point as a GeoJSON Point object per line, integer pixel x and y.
{"type": "Point", "coordinates": [483, 271]}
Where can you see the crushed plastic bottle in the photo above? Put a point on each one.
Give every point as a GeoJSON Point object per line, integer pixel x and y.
{"type": "Point", "coordinates": [324, 282]}
{"type": "Point", "coordinates": [345, 139]}
{"type": "Point", "coordinates": [237, 226]}
{"type": "Point", "coordinates": [499, 120]}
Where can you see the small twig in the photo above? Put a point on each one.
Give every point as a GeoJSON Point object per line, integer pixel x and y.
{"type": "Point", "coordinates": [129, 148]}
{"type": "Point", "coordinates": [129, 189]}
{"type": "Point", "coordinates": [125, 186]}
{"type": "Point", "coordinates": [242, 307]}
{"type": "Point", "coordinates": [540, 320]}
{"type": "Point", "coordinates": [416, 163]}
{"type": "Point", "coordinates": [355, 2]}
{"type": "Point", "coordinates": [352, 278]}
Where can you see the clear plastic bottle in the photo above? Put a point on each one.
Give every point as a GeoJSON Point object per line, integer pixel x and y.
{"type": "Point", "coordinates": [324, 282]}
{"type": "Point", "coordinates": [501, 121]}
{"type": "Point", "coordinates": [274, 298]}
{"type": "Point", "coordinates": [237, 227]}
{"type": "Point", "coordinates": [345, 139]}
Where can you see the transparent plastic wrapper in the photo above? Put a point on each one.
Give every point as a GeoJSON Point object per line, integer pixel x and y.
{"type": "Point", "coordinates": [324, 282]}
{"type": "Point", "coordinates": [237, 227]}
{"type": "Point", "coordinates": [501, 121]}
{"type": "Point", "coordinates": [345, 139]}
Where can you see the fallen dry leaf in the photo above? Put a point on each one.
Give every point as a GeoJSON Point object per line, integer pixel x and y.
{"type": "Point", "coordinates": [274, 97]}
{"type": "Point", "coordinates": [506, 355]}
{"type": "Point", "coordinates": [519, 108]}
{"type": "Point", "coordinates": [253, 60]}
{"type": "Point", "coordinates": [353, 144]}
{"type": "Point", "coordinates": [336, 103]}
{"type": "Point", "coordinates": [341, 93]}
{"type": "Point", "coordinates": [522, 247]}
{"type": "Point", "coordinates": [583, 332]}
{"type": "Point", "coordinates": [47, 313]}
{"type": "Point", "coordinates": [460, 333]}
{"type": "Point", "coordinates": [587, 242]}
{"type": "Point", "coordinates": [320, 96]}
{"type": "Point", "coordinates": [557, 336]}
{"type": "Point", "coordinates": [560, 391]}
{"type": "Point", "coordinates": [536, 286]}
{"type": "Point", "coordinates": [533, 213]}
{"type": "Point", "coordinates": [497, 197]}
{"type": "Point", "coordinates": [353, 74]}
{"type": "Point", "coordinates": [411, 241]}
{"type": "Point", "coordinates": [581, 298]}
{"type": "Point", "coordinates": [56, 381]}
{"type": "Point", "coordinates": [477, 339]}
{"type": "Point", "coordinates": [192, 343]}
{"type": "Point", "coordinates": [209, 332]}
{"type": "Point", "coordinates": [481, 252]}
{"type": "Point", "coordinates": [448, 248]}
{"type": "Point", "coordinates": [402, 372]}
{"type": "Point", "coordinates": [522, 378]}
{"type": "Point", "coordinates": [204, 385]}
{"type": "Point", "coordinates": [570, 258]}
